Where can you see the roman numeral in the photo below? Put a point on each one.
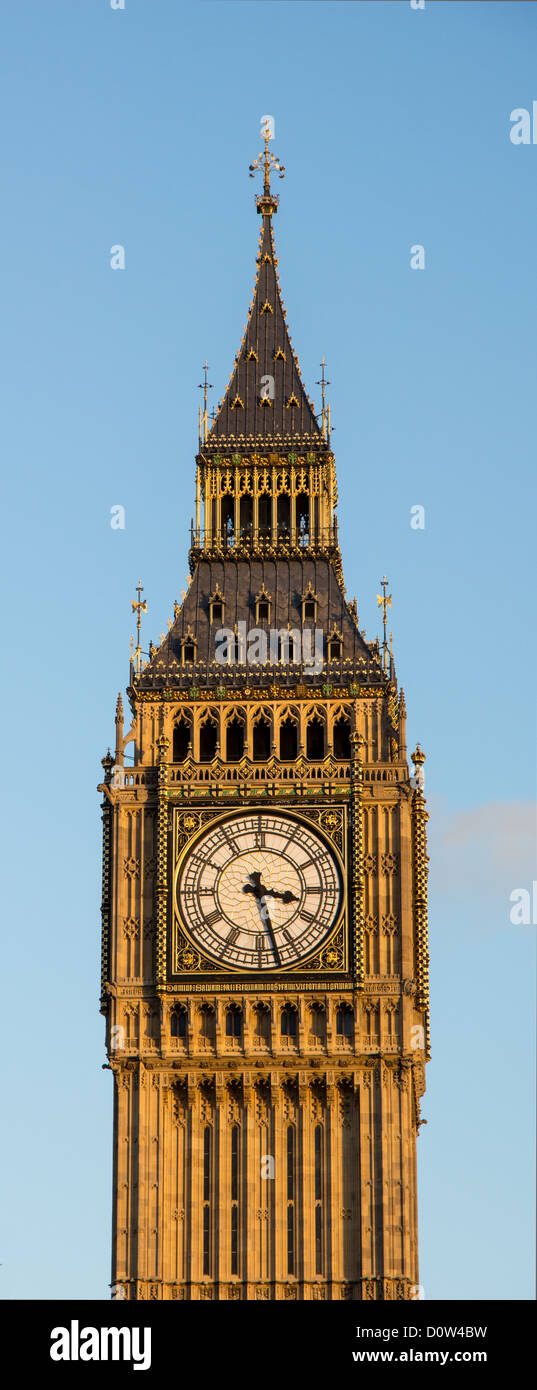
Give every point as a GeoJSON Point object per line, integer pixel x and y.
{"type": "Point", "coordinates": [310, 889]}
{"type": "Point", "coordinates": [260, 943]}
{"type": "Point", "coordinates": [233, 937]}
{"type": "Point", "coordinates": [307, 916]}
{"type": "Point", "coordinates": [213, 917]}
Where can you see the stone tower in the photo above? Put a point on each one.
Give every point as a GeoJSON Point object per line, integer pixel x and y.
{"type": "Point", "coordinates": [264, 945]}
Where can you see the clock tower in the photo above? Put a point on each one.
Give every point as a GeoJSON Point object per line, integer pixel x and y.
{"type": "Point", "coordinates": [264, 942]}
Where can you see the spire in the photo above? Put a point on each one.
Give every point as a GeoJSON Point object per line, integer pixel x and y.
{"type": "Point", "coordinates": [265, 398]}
{"type": "Point", "coordinates": [384, 601]}
{"type": "Point", "coordinates": [267, 202]}
{"type": "Point", "coordinates": [138, 608]}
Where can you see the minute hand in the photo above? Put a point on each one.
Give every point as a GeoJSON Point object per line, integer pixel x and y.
{"type": "Point", "coordinates": [265, 918]}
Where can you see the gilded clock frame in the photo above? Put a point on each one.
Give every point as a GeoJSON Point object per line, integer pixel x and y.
{"type": "Point", "coordinates": [186, 958]}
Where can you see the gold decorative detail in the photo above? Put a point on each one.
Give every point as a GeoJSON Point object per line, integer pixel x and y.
{"type": "Point", "coordinates": [131, 867]}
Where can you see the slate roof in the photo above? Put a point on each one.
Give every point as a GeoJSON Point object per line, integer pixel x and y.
{"type": "Point", "coordinates": [239, 582]}
{"type": "Point", "coordinates": [266, 351]}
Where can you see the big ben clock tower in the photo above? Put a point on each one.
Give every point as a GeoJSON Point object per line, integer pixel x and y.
{"type": "Point", "coordinates": [264, 949]}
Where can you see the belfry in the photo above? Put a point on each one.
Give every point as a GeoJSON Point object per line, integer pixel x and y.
{"type": "Point", "coordinates": [264, 910]}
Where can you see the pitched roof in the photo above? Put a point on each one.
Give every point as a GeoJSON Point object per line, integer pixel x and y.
{"type": "Point", "coordinates": [239, 583]}
{"type": "Point", "coordinates": [266, 398]}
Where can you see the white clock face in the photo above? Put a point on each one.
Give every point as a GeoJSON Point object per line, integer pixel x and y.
{"type": "Point", "coordinates": [259, 891]}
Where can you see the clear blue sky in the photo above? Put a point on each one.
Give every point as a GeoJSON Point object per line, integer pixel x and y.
{"type": "Point", "coordinates": [137, 127]}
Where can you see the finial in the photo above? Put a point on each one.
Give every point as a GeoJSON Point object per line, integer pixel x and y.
{"type": "Point", "coordinates": [267, 202]}
{"type": "Point", "coordinates": [323, 383]}
{"type": "Point", "coordinates": [119, 707]}
{"type": "Point", "coordinates": [418, 780]}
{"type": "Point", "coordinates": [204, 386]}
{"type": "Point", "coordinates": [384, 601]}
{"type": "Point", "coordinates": [138, 608]}
{"type": "Point", "coordinates": [107, 762]}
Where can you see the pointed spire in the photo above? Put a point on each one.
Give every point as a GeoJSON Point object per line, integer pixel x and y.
{"type": "Point", "coordinates": [138, 608]}
{"type": "Point", "coordinates": [119, 731]}
{"type": "Point", "coordinates": [265, 397]}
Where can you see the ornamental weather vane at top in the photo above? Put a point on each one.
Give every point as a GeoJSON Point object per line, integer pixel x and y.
{"type": "Point", "coordinates": [267, 201]}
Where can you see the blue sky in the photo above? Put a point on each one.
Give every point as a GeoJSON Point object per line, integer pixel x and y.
{"type": "Point", "coordinates": [137, 127]}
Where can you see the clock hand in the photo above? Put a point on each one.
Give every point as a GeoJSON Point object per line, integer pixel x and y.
{"type": "Point", "coordinates": [260, 893]}
{"type": "Point", "coordinates": [286, 897]}
{"type": "Point", "coordinates": [264, 914]}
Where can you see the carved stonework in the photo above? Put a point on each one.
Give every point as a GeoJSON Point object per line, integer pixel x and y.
{"type": "Point", "coordinates": [264, 975]}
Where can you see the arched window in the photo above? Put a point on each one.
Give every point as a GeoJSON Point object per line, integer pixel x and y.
{"type": "Point", "coordinates": [234, 1022]}
{"type": "Point", "coordinates": [334, 649]}
{"type": "Point", "coordinates": [178, 1023]}
{"type": "Point", "coordinates": [288, 739]}
{"type": "Point", "coordinates": [303, 519]}
{"type": "Point", "coordinates": [208, 1023]}
{"type": "Point", "coordinates": [262, 1021]}
{"type": "Point", "coordinates": [181, 740]}
{"type": "Point", "coordinates": [284, 517]}
{"type": "Point", "coordinates": [265, 516]}
{"type": "Point", "coordinates": [208, 741]}
{"type": "Point", "coordinates": [246, 516]}
{"type": "Point", "coordinates": [261, 739]}
{"type": "Point", "coordinates": [227, 520]}
{"type": "Point", "coordinates": [288, 1022]}
{"type": "Point", "coordinates": [315, 739]}
{"type": "Point", "coordinates": [317, 1021]}
{"type": "Point", "coordinates": [342, 737]}
{"type": "Point", "coordinates": [234, 740]}
{"type": "Point", "coordinates": [344, 1021]}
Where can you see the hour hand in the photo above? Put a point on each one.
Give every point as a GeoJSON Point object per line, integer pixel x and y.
{"type": "Point", "coordinates": [286, 897]}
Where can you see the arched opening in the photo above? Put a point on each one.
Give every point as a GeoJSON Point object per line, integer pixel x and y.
{"type": "Point", "coordinates": [344, 1021]}
{"type": "Point", "coordinates": [178, 1023]}
{"type": "Point", "coordinates": [315, 739]}
{"type": "Point", "coordinates": [317, 1021]}
{"type": "Point", "coordinates": [180, 741]}
{"type": "Point", "coordinates": [303, 518]}
{"type": "Point", "coordinates": [208, 741]}
{"type": "Point", "coordinates": [261, 741]}
{"type": "Point", "coordinates": [234, 1021]}
{"type": "Point", "coordinates": [207, 1023]}
{"type": "Point", "coordinates": [234, 740]}
{"type": "Point", "coordinates": [262, 1022]}
{"type": "Point", "coordinates": [284, 517]}
{"type": "Point", "coordinates": [246, 516]}
{"type": "Point", "coordinates": [288, 739]}
{"type": "Point", "coordinates": [227, 520]}
{"type": "Point", "coordinates": [288, 1022]}
{"type": "Point", "coordinates": [265, 516]}
{"type": "Point", "coordinates": [342, 737]}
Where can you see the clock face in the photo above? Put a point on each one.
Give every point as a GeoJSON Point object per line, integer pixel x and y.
{"type": "Point", "coordinates": [259, 891]}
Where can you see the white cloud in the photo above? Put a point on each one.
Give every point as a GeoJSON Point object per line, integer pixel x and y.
{"type": "Point", "coordinates": [484, 851]}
